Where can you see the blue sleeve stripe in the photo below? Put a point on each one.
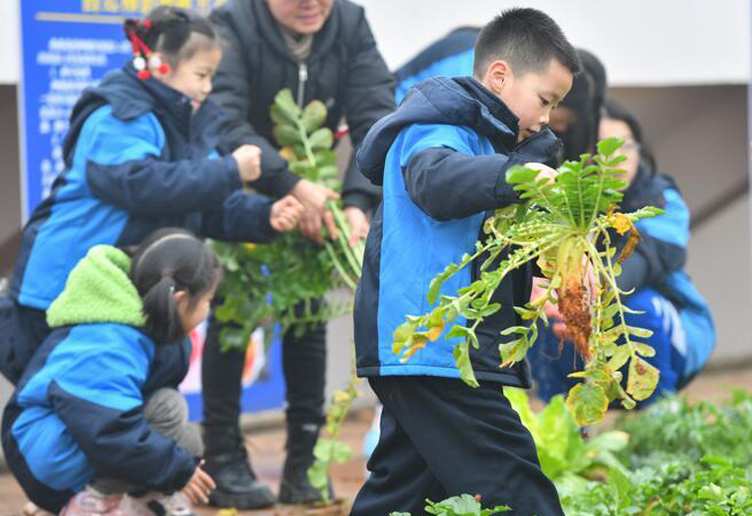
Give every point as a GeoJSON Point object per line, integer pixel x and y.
{"type": "Point", "coordinates": [672, 226]}
{"type": "Point", "coordinates": [105, 364]}
{"type": "Point", "coordinates": [418, 137]}
{"type": "Point", "coordinates": [105, 140]}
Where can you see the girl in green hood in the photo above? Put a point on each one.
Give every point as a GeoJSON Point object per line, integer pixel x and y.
{"type": "Point", "coordinates": [97, 413]}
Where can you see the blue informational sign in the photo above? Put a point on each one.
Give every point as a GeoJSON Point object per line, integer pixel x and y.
{"type": "Point", "coordinates": [68, 45]}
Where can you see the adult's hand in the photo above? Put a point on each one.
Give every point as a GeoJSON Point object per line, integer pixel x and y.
{"type": "Point", "coordinates": [359, 224]}
{"type": "Point", "coordinates": [313, 197]}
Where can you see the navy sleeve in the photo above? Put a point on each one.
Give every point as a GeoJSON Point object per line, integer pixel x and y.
{"type": "Point", "coordinates": [124, 168]}
{"type": "Point", "coordinates": [447, 184]}
{"type": "Point", "coordinates": [99, 400]}
{"type": "Point", "coordinates": [242, 218]}
{"type": "Point", "coordinates": [447, 179]}
{"type": "Point", "coordinates": [663, 247]}
{"type": "Point", "coordinates": [232, 91]}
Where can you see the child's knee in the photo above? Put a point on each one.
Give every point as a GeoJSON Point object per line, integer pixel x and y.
{"type": "Point", "coordinates": [166, 409]}
{"type": "Point", "coordinates": [166, 412]}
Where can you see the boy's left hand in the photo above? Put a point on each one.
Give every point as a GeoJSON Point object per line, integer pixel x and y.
{"type": "Point", "coordinates": [359, 224]}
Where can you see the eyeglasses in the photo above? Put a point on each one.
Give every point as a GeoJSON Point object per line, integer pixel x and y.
{"type": "Point", "coordinates": [630, 145]}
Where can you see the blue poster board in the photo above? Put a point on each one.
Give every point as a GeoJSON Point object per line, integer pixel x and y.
{"type": "Point", "coordinates": [68, 45]}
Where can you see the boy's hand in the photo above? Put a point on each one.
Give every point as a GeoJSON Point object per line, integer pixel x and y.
{"type": "Point", "coordinates": [199, 486]}
{"type": "Point", "coordinates": [285, 214]}
{"type": "Point", "coordinates": [314, 197]}
{"type": "Point", "coordinates": [359, 224]}
{"type": "Point", "coordinates": [544, 171]}
{"type": "Point", "coordinates": [248, 158]}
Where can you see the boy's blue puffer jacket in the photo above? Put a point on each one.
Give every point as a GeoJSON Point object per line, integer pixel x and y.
{"type": "Point", "coordinates": [442, 158]}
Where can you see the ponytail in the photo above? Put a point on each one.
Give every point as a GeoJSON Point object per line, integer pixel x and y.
{"type": "Point", "coordinates": [161, 309]}
{"type": "Point", "coordinates": [169, 261]}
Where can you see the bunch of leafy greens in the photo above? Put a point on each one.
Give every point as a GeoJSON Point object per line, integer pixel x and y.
{"type": "Point", "coordinates": [682, 458]}
{"type": "Point", "coordinates": [281, 281]}
{"type": "Point", "coordinates": [462, 505]}
{"type": "Point", "coordinates": [564, 225]}
{"type": "Point", "coordinates": [568, 459]}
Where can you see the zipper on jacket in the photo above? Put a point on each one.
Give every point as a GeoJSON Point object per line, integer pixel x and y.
{"type": "Point", "coordinates": [302, 78]}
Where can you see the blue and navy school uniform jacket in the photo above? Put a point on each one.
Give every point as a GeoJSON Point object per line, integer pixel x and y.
{"type": "Point", "coordinates": [442, 158]}
{"type": "Point", "coordinates": [451, 56]}
{"type": "Point", "coordinates": [137, 159]}
{"type": "Point", "coordinates": [77, 414]}
{"type": "Point", "coordinates": [658, 262]}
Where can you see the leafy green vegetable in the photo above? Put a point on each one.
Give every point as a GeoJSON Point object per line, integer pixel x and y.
{"type": "Point", "coordinates": [268, 283]}
{"type": "Point", "coordinates": [328, 450]}
{"type": "Point", "coordinates": [562, 451]}
{"type": "Point", "coordinates": [462, 505]}
{"type": "Point", "coordinates": [682, 458]}
{"type": "Point", "coordinates": [564, 225]}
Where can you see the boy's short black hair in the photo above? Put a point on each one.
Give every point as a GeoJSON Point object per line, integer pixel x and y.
{"type": "Point", "coordinates": [527, 39]}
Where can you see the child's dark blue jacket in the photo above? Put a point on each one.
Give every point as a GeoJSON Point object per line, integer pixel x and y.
{"type": "Point", "coordinates": [658, 262]}
{"type": "Point", "coordinates": [442, 158]}
{"type": "Point", "coordinates": [77, 411]}
{"type": "Point", "coordinates": [137, 159]}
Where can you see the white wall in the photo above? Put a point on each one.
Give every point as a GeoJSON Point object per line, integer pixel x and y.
{"type": "Point", "coordinates": [642, 42]}
{"type": "Point", "coordinates": [10, 41]}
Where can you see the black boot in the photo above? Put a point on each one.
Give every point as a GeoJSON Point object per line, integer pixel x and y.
{"type": "Point", "coordinates": [295, 488]}
{"type": "Point", "coordinates": [228, 464]}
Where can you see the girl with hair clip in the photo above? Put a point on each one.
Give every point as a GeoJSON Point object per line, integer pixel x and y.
{"type": "Point", "coordinates": [97, 413]}
{"type": "Point", "coordinates": [142, 152]}
{"type": "Point", "coordinates": [663, 298]}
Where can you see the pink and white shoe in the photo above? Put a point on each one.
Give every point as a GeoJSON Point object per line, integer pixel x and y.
{"type": "Point", "coordinates": [91, 502]}
{"type": "Point", "coordinates": [157, 504]}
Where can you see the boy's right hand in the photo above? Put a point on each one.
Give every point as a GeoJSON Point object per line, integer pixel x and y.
{"type": "Point", "coordinates": [543, 170]}
{"type": "Point", "coordinates": [199, 486]}
{"type": "Point", "coordinates": [248, 158]}
{"type": "Point", "coordinates": [285, 214]}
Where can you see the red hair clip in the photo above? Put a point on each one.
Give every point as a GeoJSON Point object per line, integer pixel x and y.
{"type": "Point", "coordinates": [143, 58]}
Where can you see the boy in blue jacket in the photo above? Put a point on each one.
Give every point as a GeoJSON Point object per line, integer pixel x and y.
{"type": "Point", "coordinates": [442, 159]}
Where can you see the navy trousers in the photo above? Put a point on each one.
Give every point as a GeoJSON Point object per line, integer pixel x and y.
{"type": "Point", "coordinates": [441, 438]}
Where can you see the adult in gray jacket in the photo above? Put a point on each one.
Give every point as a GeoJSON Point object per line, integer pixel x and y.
{"type": "Point", "coordinates": [320, 49]}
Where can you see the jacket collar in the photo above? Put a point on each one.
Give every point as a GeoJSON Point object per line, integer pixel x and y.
{"type": "Point", "coordinates": [459, 101]}
{"type": "Point", "coordinates": [497, 109]}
